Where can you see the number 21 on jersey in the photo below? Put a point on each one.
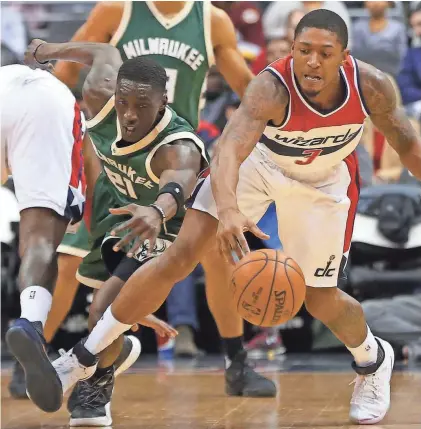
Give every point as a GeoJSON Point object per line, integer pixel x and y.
{"type": "Point", "coordinates": [123, 184]}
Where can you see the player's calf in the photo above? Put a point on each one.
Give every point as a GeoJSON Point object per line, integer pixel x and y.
{"type": "Point", "coordinates": [373, 357]}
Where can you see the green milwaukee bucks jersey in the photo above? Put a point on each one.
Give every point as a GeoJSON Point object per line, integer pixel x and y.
{"type": "Point", "coordinates": [181, 44]}
{"type": "Point", "coordinates": [127, 175]}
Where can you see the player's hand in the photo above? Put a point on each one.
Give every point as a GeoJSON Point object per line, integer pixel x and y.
{"type": "Point", "coordinates": [32, 57]}
{"type": "Point", "coordinates": [230, 234]}
{"type": "Point", "coordinates": [145, 224]}
{"type": "Point", "coordinates": [162, 328]}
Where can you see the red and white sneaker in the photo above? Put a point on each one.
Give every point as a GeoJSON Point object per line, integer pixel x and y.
{"type": "Point", "coordinates": [267, 344]}
{"type": "Point", "coordinates": [371, 398]}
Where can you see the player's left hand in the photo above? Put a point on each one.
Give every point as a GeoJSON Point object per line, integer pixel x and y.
{"type": "Point", "coordinates": [162, 328]}
{"type": "Point", "coordinates": [145, 224]}
{"type": "Point", "coordinates": [32, 57]}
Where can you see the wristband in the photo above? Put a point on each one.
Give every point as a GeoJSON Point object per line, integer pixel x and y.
{"type": "Point", "coordinates": [176, 191]}
{"type": "Point", "coordinates": [35, 53]}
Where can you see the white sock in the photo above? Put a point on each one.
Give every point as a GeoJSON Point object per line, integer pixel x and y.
{"type": "Point", "coordinates": [366, 353]}
{"type": "Point", "coordinates": [105, 332]}
{"type": "Point", "coordinates": [35, 304]}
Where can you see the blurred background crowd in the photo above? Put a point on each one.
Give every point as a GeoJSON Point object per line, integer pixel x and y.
{"type": "Point", "coordinates": [385, 266]}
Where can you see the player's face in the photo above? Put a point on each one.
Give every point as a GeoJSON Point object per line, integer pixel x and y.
{"type": "Point", "coordinates": [317, 55]}
{"type": "Point", "coordinates": [138, 107]}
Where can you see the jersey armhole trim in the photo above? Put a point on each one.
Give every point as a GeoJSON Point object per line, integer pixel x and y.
{"type": "Point", "coordinates": [278, 76]}
{"type": "Point", "coordinates": [124, 23]}
{"type": "Point", "coordinates": [357, 84]}
{"type": "Point", "coordinates": [186, 135]}
{"type": "Point", "coordinates": [207, 30]}
{"type": "Point", "coordinates": [101, 115]}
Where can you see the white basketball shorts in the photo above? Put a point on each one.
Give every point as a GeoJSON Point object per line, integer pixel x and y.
{"type": "Point", "coordinates": [315, 217]}
{"type": "Point", "coordinates": [41, 137]}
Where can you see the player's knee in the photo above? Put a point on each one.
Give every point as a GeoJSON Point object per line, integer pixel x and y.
{"type": "Point", "coordinates": [39, 249]}
{"type": "Point", "coordinates": [68, 265]}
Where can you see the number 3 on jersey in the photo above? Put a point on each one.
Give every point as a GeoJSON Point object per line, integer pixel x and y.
{"type": "Point", "coordinates": [310, 155]}
{"type": "Point", "coordinates": [171, 82]}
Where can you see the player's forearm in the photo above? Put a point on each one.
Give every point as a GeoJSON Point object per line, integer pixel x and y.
{"type": "Point", "coordinates": [411, 159]}
{"type": "Point", "coordinates": [225, 168]}
{"type": "Point", "coordinates": [80, 52]}
{"type": "Point", "coordinates": [186, 179]}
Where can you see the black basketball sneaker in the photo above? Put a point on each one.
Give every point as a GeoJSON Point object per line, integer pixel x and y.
{"type": "Point", "coordinates": [242, 380]}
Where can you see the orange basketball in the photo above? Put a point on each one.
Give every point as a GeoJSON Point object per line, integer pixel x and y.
{"type": "Point", "coordinates": [268, 287]}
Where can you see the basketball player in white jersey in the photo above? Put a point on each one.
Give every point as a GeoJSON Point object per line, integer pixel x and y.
{"type": "Point", "coordinates": [307, 110]}
{"type": "Point", "coordinates": [41, 146]}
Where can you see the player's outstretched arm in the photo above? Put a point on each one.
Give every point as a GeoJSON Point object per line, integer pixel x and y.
{"type": "Point", "coordinates": [100, 27]}
{"type": "Point", "coordinates": [177, 166]}
{"type": "Point", "coordinates": [265, 100]}
{"type": "Point", "coordinates": [104, 61]}
{"type": "Point", "coordinates": [389, 118]}
{"type": "Point", "coordinates": [228, 58]}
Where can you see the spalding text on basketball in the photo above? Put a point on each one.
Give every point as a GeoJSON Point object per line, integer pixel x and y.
{"type": "Point", "coordinates": [279, 306]}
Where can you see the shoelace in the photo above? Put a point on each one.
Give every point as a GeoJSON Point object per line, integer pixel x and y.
{"type": "Point", "coordinates": [365, 385]}
{"type": "Point", "coordinates": [68, 360]}
{"type": "Point", "coordinates": [91, 394]}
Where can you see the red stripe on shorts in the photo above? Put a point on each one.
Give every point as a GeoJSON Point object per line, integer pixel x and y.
{"type": "Point", "coordinates": [353, 195]}
{"type": "Point", "coordinates": [78, 172]}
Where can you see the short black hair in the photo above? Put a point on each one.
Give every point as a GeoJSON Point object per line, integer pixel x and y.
{"type": "Point", "coordinates": [325, 20]}
{"type": "Point", "coordinates": [143, 70]}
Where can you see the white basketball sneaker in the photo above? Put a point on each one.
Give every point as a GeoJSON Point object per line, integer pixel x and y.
{"type": "Point", "coordinates": [75, 365]}
{"type": "Point", "coordinates": [371, 398]}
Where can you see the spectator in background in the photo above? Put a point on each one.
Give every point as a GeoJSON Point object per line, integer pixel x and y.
{"type": "Point", "coordinates": [294, 17]}
{"type": "Point", "coordinates": [277, 48]}
{"type": "Point", "coordinates": [247, 19]}
{"type": "Point", "coordinates": [217, 95]}
{"type": "Point", "coordinates": [409, 79]}
{"type": "Point", "coordinates": [13, 33]}
{"type": "Point", "coordinates": [276, 15]}
{"type": "Point", "coordinates": [380, 41]}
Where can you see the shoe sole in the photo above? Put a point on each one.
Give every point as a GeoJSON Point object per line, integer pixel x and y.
{"type": "Point", "coordinates": [230, 391]}
{"type": "Point", "coordinates": [132, 357]}
{"type": "Point", "coordinates": [43, 385]}
{"type": "Point", "coordinates": [94, 421]}
{"type": "Point", "coordinates": [380, 418]}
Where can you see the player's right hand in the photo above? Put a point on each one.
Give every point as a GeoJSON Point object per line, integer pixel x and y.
{"type": "Point", "coordinates": [230, 234]}
{"type": "Point", "coordinates": [31, 59]}
{"type": "Point", "coordinates": [145, 224]}
{"type": "Point", "coordinates": [162, 328]}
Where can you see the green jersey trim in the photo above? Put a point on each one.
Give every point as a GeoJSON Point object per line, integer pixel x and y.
{"type": "Point", "coordinates": [147, 140]}
{"type": "Point", "coordinates": [207, 23]}
{"type": "Point", "coordinates": [169, 23]}
{"type": "Point", "coordinates": [125, 19]}
{"type": "Point", "coordinates": [102, 114]}
{"type": "Point", "coordinates": [183, 135]}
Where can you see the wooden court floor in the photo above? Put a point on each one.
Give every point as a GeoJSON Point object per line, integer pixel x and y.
{"type": "Point", "coordinates": [193, 398]}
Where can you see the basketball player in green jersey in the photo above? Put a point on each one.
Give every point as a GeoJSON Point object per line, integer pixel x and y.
{"type": "Point", "coordinates": [182, 44]}
{"type": "Point", "coordinates": [197, 34]}
{"type": "Point", "coordinates": [150, 158]}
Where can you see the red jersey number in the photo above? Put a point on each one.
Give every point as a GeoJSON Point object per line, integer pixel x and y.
{"type": "Point", "coordinates": [310, 155]}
